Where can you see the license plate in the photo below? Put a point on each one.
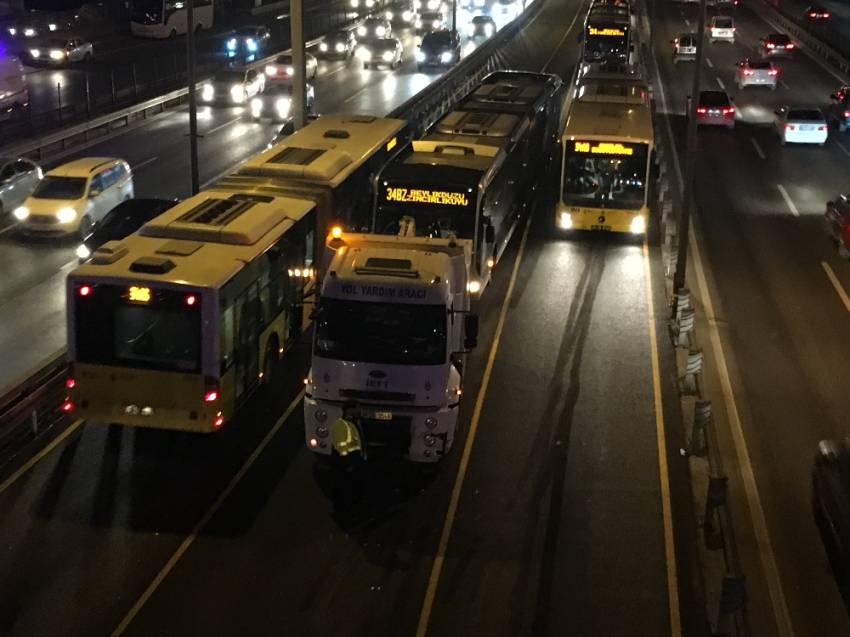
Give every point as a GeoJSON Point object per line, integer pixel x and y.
{"type": "Point", "coordinates": [714, 112]}
{"type": "Point", "coordinates": [383, 415]}
{"type": "Point", "coordinates": [600, 227]}
{"type": "Point", "coordinates": [807, 127]}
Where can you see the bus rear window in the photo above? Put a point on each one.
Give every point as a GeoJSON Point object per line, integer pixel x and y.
{"type": "Point", "coordinates": [161, 333]}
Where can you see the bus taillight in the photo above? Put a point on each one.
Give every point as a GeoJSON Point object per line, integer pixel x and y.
{"type": "Point", "coordinates": [84, 290]}
{"type": "Point", "coordinates": [218, 421]}
{"type": "Point", "coordinates": [210, 390]}
{"type": "Point", "coordinates": [70, 383]}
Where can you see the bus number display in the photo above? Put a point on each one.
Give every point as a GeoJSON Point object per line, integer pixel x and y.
{"type": "Point", "coordinates": [604, 148]}
{"type": "Point", "coordinates": [421, 195]}
{"type": "Point", "coordinates": [607, 31]}
{"type": "Point", "coordinates": [138, 294]}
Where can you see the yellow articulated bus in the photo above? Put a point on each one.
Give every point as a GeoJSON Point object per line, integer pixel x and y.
{"type": "Point", "coordinates": [608, 167]}
{"type": "Point", "coordinates": [174, 326]}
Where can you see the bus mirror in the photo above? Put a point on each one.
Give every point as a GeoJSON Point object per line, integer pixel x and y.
{"type": "Point", "coordinates": [470, 328]}
{"type": "Point", "coordinates": [288, 128]}
{"type": "Point", "coordinates": [490, 234]}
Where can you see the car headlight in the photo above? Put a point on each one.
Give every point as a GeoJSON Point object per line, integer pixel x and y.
{"type": "Point", "coordinates": [565, 221]}
{"type": "Point", "coordinates": [322, 47]}
{"type": "Point", "coordinates": [355, 4]}
{"type": "Point", "coordinates": [290, 70]}
{"type": "Point", "coordinates": [407, 16]}
{"type": "Point", "coordinates": [51, 27]}
{"type": "Point", "coordinates": [66, 215]}
{"type": "Point", "coordinates": [418, 24]}
{"type": "Point", "coordinates": [340, 47]}
{"type": "Point", "coordinates": [56, 54]}
{"type": "Point", "coordinates": [237, 93]}
{"type": "Point", "coordinates": [283, 106]}
{"type": "Point", "coordinates": [13, 31]}
{"type": "Point", "coordinates": [370, 4]}
{"type": "Point", "coordinates": [420, 56]}
{"type": "Point", "coordinates": [361, 31]}
{"type": "Point", "coordinates": [256, 107]}
{"type": "Point", "coordinates": [380, 31]}
{"type": "Point", "coordinates": [83, 252]}
{"type": "Point", "coordinates": [207, 92]}
{"type": "Point", "coordinates": [35, 53]}
{"type": "Point", "coordinates": [479, 3]}
{"type": "Point", "coordinates": [387, 56]}
{"type": "Point", "coordinates": [29, 32]}
{"type": "Point", "coordinates": [389, 15]}
{"type": "Point", "coordinates": [364, 54]}
{"type": "Point", "coordinates": [251, 43]}
{"type": "Point", "coordinates": [231, 44]}
{"type": "Point", "coordinates": [21, 213]}
{"type": "Point", "coordinates": [446, 57]}
{"type": "Point", "coordinates": [638, 225]}
{"type": "Point", "coordinates": [488, 30]}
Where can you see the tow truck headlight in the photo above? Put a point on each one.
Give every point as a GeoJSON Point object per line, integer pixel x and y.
{"type": "Point", "coordinates": [237, 93]}
{"type": "Point", "coordinates": [446, 57]}
{"type": "Point", "coordinates": [638, 225]}
{"type": "Point", "coordinates": [21, 213]}
{"type": "Point", "coordinates": [565, 221]}
{"type": "Point", "coordinates": [430, 422]}
{"type": "Point", "coordinates": [57, 54]}
{"type": "Point", "coordinates": [320, 415]}
{"type": "Point", "coordinates": [83, 252]}
{"type": "Point", "coordinates": [66, 215]}
{"type": "Point", "coordinates": [29, 33]}
{"type": "Point", "coordinates": [256, 107]}
{"type": "Point", "coordinates": [207, 92]}
{"type": "Point", "coordinates": [364, 54]}
{"type": "Point", "coordinates": [323, 47]}
{"type": "Point", "coordinates": [420, 56]}
{"type": "Point", "coordinates": [340, 47]}
{"type": "Point", "coordinates": [283, 106]}
{"type": "Point", "coordinates": [387, 56]}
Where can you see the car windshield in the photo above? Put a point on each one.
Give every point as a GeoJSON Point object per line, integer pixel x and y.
{"type": "Point", "coordinates": [387, 44]}
{"type": "Point", "coordinates": [247, 31]}
{"type": "Point", "coordinates": [713, 99]}
{"type": "Point", "coordinates": [805, 115]}
{"type": "Point", "coordinates": [482, 20]}
{"type": "Point", "coordinates": [686, 40]}
{"type": "Point", "coordinates": [760, 65]}
{"type": "Point", "coordinates": [778, 38]}
{"type": "Point", "coordinates": [439, 40]}
{"type": "Point", "coordinates": [339, 36]}
{"type": "Point", "coordinates": [388, 333]}
{"type": "Point", "coordinates": [603, 179]}
{"type": "Point", "coordinates": [723, 23]}
{"type": "Point", "coordinates": [60, 188]}
{"type": "Point", "coordinates": [283, 59]}
{"type": "Point", "coordinates": [55, 43]}
{"type": "Point", "coordinates": [237, 77]}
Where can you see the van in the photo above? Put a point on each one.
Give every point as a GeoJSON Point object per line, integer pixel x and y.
{"type": "Point", "coordinates": [74, 197]}
{"type": "Point", "coordinates": [721, 29]}
{"type": "Point", "coordinates": [685, 48]}
{"type": "Point", "coordinates": [14, 93]}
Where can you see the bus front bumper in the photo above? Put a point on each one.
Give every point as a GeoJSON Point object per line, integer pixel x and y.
{"type": "Point", "coordinates": [607, 220]}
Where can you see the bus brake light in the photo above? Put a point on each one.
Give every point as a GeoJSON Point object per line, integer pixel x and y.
{"type": "Point", "coordinates": [67, 406]}
{"type": "Point", "coordinates": [191, 299]}
{"type": "Point", "coordinates": [218, 421]}
{"type": "Point", "coordinates": [211, 396]}
{"type": "Point", "coordinates": [70, 383]}
{"type": "Point", "coordinates": [84, 290]}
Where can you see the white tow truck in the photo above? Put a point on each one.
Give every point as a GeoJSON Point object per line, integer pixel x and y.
{"type": "Point", "coordinates": [392, 329]}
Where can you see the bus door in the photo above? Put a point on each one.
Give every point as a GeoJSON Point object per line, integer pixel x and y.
{"type": "Point", "coordinates": [248, 327]}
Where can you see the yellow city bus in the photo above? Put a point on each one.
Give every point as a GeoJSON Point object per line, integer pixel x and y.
{"type": "Point", "coordinates": [174, 326]}
{"type": "Point", "coordinates": [607, 169]}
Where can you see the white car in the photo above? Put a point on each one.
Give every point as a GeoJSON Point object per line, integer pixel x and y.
{"type": "Point", "coordinates": [233, 86]}
{"type": "Point", "coordinates": [61, 50]}
{"type": "Point", "coordinates": [801, 126]}
{"type": "Point", "coordinates": [18, 178]}
{"type": "Point", "coordinates": [721, 29]}
{"type": "Point", "coordinates": [281, 68]}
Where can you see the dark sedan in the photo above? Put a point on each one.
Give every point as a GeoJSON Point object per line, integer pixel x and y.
{"type": "Point", "coordinates": [831, 502]}
{"type": "Point", "coordinates": [440, 48]}
{"type": "Point", "coordinates": [340, 44]}
{"type": "Point", "coordinates": [124, 219]}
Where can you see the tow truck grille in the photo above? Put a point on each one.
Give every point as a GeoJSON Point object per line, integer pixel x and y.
{"type": "Point", "coordinates": [387, 436]}
{"type": "Point", "coordinates": [384, 396]}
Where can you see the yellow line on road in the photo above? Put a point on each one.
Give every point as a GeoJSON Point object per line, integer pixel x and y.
{"type": "Point", "coordinates": [439, 558]}
{"type": "Point", "coordinates": [839, 289]}
{"type": "Point", "coordinates": [58, 440]}
{"type": "Point", "coordinates": [184, 546]}
{"type": "Point", "coordinates": [663, 469]}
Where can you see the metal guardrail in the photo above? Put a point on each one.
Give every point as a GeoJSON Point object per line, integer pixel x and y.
{"type": "Point", "coordinates": [35, 404]}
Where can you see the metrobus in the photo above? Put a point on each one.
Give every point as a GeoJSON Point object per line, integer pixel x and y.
{"type": "Point", "coordinates": [331, 161]}
{"type": "Point", "coordinates": [472, 175]}
{"type": "Point", "coordinates": [174, 326]}
{"type": "Point", "coordinates": [167, 18]}
{"type": "Point", "coordinates": [607, 35]}
{"type": "Point", "coordinates": [608, 166]}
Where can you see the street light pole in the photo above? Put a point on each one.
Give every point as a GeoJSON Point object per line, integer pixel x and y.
{"type": "Point", "coordinates": [299, 90]}
{"type": "Point", "coordinates": [690, 164]}
{"type": "Point", "coordinates": [454, 16]}
{"type": "Point", "coordinates": [193, 104]}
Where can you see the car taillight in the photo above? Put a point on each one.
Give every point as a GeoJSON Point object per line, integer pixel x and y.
{"type": "Point", "coordinates": [210, 390]}
{"type": "Point", "coordinates": [218, 421]}
{"type": "Point", "coordinates": [790, 45]}
{"type": "Point", "coordinates": [747, 72]}
{"type": "Point", "coordinates": [771, 45]}
{"type": "Point", "coordinates": [67, 406]}
{"type": "Point", "coordinates": [701, 110]}
{"type": "Point", "coordinates": [728, 110]}
{"type": "Point", "coordinates": [847, 114]}
{"type": "Point", "coordinates": [70, 383]}
{"type": "Point", "coordinates": [812, 14]}
{"type": "Point", "coordinates": [789, 126]}
{"type": "Point", "coordinates": [773, 72]}
{"type": "Point", "coordinates": [821, 127]}
{"type": "Point", "coordinates": [826, 15]}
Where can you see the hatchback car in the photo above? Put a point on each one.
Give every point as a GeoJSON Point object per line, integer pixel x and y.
{"type": "Point", "coordinates": [281, 68]}
{"type": "Point", "coordinates": [62, 50]}
{"type": "Point", "coordinates": [838, 112]}
{"type": "Point", "coordinates": [776, 45]}
{"type": "Point", "coordinates": [800, 126]}
{"type": "Point", "coordinates": [836, 222]}
{"type": "Point", "coordinates": [248, 40]}
{"type": "Point", "coordinates": [831, 503]}
{"type": "Point", "coordinates": [276, 102]}
{"type": "Point", "coordinates": [403, 12]}
{"type": "Point", "coordinates": [816, 13]}
{"type": "Point", "coordinates": [715, 108]}
{"type": "Point", "coordinates": [18, 178]}
{"type": "Point", "coordinates": [440, 48]}
{"type": "Point", "coordinates": [756, 73]}
{"type": "Point", "coordinates": [338, 45]}
{"type": "Point", "coordinates": [374, 27]}
{"type": "Point", "coordinates": [123, 220]}
{"type": "Point", "coordinates": [71, 199]}
{"type": "Point", "coordinates": [480, 28]}
{"type": "Point", "coordinates": [721, 29]}
{"type": "Point", "coordinates": [381, 52]}
{"type": "Point", "coordinates": [233, 86]}
{"type": "Point", "coordinates": [685, 48]}
{"type": "Point", "coordinates": [430, 21]}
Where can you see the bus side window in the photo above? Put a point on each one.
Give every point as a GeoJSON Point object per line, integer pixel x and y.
{"type": "Point", "coordinates": [309, 247]}
{"type": "Point", "coordinates": [226, 339]}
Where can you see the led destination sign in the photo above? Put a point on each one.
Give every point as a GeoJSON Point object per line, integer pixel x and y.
{"type": "Point", "coordinates": [613, 32]}
{"type": "Point", "coordinates": [604, 148]}
{"type": "Point", "coordinates": [422, 195]}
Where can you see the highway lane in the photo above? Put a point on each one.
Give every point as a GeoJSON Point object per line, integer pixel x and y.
{"type": "Point", "coordinates": [786, 328]}
{"type": "Point", "coordinates": [158, 152]}
{"type": "Point", "coordinates": [149, 533]}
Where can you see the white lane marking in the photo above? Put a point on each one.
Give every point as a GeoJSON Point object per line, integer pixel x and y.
{"type": "Point", "coordinates": [788, 201]}
{"type": "Point", "coordinates": [357, 94]}
{"type": "Point", "coordinates": [199, 526]}
{"type": "Point", "coordinates": [142, 164]}
{"type": "Point", "coordinates": [720, 82]}
{"type": "Point", "coordinates": [765, 546]}
{"type": "Point", "coordinates": [687, 22]}
{"type": "Point", "coordinates": [58, 440]}
{"type": "Point", "coordinates": [566, 33]}
{"type": "Point", "coordinates": [842, 147]}
{"type": "Point", "coordinates": [334, 72]}
{"type": "Point", "coordinates": [709, 62]}
{"type": "Point", "coordinates": [839, 289]}
{"type": "Point", "coordinates": [8, 228]}
{"type": "Point", "coordinates": [220, 126]}
{"type": "Point", "coordinates": [759, 151]}
{"type": "Point", "coordinates": [784, 85]}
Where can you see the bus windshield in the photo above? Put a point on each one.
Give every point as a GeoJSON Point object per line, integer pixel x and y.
{"type": "Point", "coordinates": [384, 333]}
{"type": "Point", "coordinates": [437, 211]}
{"type": "Point", "coordinates": [147, 11]}
{"type": "Point", "coordinates": [605, 42]}
{"type": "Point", "coordinates": [163, 333]}
{"type": "Point", "coordinates": [605, 175]}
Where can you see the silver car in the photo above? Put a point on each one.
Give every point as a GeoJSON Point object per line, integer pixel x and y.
{"type": "Point", "coordinates": [756, 73]}
{"type": "Point", "coordinates": [18, 178]}
{"type": "Point", "coordinates": [62, 50]}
